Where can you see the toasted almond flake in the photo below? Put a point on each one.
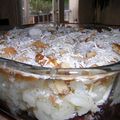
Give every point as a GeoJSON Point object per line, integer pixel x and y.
{"type": "Point", "coordinates": [10, 51]}
{"type": "Point", "coordinates": [94, 65]}
{"type": "Point", "coordinates": [53, 100]}
{"type": "Point", "coordinates": [39, 57]}
{"type": "Point", "coordinates": [91, 36]}
{"type": "Point", "coordinates": [116, 48]}
{"type": "Point", "coordinates": [61, 87]}
{"type": "Point", "coordinates": [91, 54]}
{"type": "Point", "coordinates": [39, 44]}
{"type": "Point", "coordinates": [54, 62]}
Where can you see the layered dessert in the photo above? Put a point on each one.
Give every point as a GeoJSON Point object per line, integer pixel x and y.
{"type": "Point", "coordinates": [68, 82]}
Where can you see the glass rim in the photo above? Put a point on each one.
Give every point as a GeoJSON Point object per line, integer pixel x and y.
{"type": "Point", "coordinates": [8, 63]}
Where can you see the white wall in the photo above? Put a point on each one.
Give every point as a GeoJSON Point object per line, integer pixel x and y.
{"type": "Point", "coordinates": [73, 6]}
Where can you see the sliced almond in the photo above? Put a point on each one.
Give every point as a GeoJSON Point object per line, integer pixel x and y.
{"type": "Point", "coordinates": [116, 48]}
{"type": "Point", "coordinates": [94, 65]}
{"type": "Point", "coordinates": [10, 51]}
{"type": "Point", "coordinates": [39, 44]}
{"type": "Point", "coordinates": [91, 36]}
{"type": "Point", "coordinates": [54, 62]}
{"type": "Point", "coordinates": [39, 57]}
{"type": "Point", "coordinates": [91, 54]}
{"type": "Point", "coordinates": [59, 87]}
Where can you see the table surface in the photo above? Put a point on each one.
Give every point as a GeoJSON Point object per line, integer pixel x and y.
{"type": "Point", "coordinates": [4, 116]}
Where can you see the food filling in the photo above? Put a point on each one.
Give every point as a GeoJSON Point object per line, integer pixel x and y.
{"type": "Point", "coordinates": [67, 47]}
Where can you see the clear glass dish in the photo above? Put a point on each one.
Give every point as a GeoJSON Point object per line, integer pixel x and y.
{"type": "Point", "coordinates": [58, 94]}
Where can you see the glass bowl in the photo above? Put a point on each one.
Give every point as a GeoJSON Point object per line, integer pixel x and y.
{"type": "Point", "coordinates": [33, 92]}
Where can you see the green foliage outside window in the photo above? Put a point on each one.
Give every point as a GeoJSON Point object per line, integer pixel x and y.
{"type": "Point", "coordinates": [40, 6]}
